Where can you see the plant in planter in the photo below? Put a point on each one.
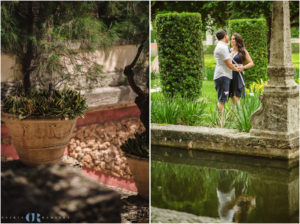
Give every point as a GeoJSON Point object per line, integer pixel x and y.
{"type": "Point", "coordinates": [51, 42]}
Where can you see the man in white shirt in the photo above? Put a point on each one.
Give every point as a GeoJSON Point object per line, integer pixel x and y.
{"type": "Point", "coordinates": [223, 71]}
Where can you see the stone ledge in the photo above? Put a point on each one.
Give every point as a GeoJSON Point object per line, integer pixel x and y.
{"type": "Point", "coordinates": [160, 215]}
{"type": "Point", "coordinates": [59, 193]}
{"type": "Point", "coordinates": [107, 97]}
{"type": "Point", "coordinates": [223, 140]}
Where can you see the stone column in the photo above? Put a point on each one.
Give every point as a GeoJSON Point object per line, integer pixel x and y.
{"type": "Point", "coordinates": [278, 116]}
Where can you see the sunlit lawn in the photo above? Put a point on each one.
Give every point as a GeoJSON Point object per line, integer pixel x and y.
{"type": "Point", "coordinates": [295, 60]}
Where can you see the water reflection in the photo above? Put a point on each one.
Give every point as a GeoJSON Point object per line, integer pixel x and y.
{"type": "Point", "coordinates": [230, 188]}
{"type": "Point", "coordinates": [234, 201]}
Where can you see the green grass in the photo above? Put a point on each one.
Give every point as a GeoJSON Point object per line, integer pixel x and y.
{"type": "Point", "coordinates": [152, 59]}
{"type": "Point", "coordinates": [184, 111]}
{"type": "Point", "coordinates": [155, 83]}
{"type": "Point", "coordinates": [295, 60]}
{"type": "Point", "coordinates": [209, 61]}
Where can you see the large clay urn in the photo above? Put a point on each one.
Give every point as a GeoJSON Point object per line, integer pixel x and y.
{"type": "Point", "coordinates": [139, 168]}
{"type": "Point", "coordinates": [39, 141]}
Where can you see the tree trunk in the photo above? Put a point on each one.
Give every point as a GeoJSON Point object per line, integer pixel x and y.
{"type": "Point", "coordinates": [31, 20]}
{"type": "Point", "coordinates": [142, 100]}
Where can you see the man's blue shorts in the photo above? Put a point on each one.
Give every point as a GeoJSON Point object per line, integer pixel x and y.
{"type": "Point", "coordinates": [222, 85]}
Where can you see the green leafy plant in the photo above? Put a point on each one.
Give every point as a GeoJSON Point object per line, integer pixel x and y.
{"type": "Point", "coordinates": [209, 73]}
{"type": "Point", "coordinates": [138, 146]}
{"type": "Point", "coordinates": [254, 33]}
{"type": "Point", "coordinates": [65, 104]}
{"type": "Point", "coordinates": [243, 112]}
{"type": "Point", "coordinates": [164, 110]}
{"type": "Point", "coordinates": [177, 110]}
{"type": "Point", "coordinates": [191, 111]}
{"type": "Point", "coordinates": [179, 38]}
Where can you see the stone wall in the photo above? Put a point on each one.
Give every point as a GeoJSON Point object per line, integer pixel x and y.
{"type": "Point", "coordinates": [113, 59]}
{"type": "Point", "coordinates": [58, 193]}
{"type": "Point", "coordinates": [97, 146]}
{"type": "Point", "coordinates": [223, 140]}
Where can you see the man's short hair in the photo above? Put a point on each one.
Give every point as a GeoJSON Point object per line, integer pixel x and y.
{"type": "Point", "coordinates": [220, 34]}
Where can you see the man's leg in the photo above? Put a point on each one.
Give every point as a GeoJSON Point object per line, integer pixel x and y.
{"type": "Point", "coordinates": [222, 86]}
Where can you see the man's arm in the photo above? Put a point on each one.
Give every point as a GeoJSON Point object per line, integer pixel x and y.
{"type": "Point", "coordinates": [231, 66]}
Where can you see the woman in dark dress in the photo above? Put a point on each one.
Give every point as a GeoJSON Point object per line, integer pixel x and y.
{"type": "Point", "coordinates": [239, 56]}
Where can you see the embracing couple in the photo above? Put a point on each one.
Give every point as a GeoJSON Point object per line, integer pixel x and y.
{"type": "Point", "coordinates": [228, 76]}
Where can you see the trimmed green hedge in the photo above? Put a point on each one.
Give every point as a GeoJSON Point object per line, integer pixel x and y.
{"type": "Point", "coordinates": [179, 38]}
{"type": "Point", "coordinates": [254, 33]}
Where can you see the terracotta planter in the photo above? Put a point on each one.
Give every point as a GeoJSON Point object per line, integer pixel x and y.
{"type": "Point", "coordinates": [39, 142]}
{"type": "Point", "coordinates": [139, 167]}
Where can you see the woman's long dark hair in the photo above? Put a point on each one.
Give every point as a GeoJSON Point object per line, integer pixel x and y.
{"type": "Point", "coordinates": [240, 45]}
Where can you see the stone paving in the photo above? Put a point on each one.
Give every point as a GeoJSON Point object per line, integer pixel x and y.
{"type": "Point", "coordinates": [134, 209]}
{"type": "Point", "coordinates": [159, 215]}
{"type": "Point", "coordinates": [60, 191]}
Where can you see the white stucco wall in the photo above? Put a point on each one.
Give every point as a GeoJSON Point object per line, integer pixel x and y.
{"type": "Point", "coordinates": [112, 59]}
{"type": "Point", "coordinates": [9, 69]}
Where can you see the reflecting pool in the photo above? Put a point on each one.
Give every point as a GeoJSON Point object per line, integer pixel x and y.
{"type": "Point", "coordinates": [227, 187]}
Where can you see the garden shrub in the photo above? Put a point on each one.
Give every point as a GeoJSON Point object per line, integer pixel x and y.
{"type": "Point", "coordinates": [179, 38]}
{"type": "Point", "coordinates": [254, 33]}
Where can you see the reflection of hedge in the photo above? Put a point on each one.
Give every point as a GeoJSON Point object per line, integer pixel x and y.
{"type": "Point", "coordinates": [254, 33]}
{"type": "Point", "coordinates": [179, 39]}
{"type": "Point", "coordinates": [193, 189]}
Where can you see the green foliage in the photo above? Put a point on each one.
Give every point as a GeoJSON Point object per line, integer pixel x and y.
{"type": "Point", "coordinates": [254, 33]}
{"type": "Point", "coordinates": [295, 48]}
{"type": "Point", "coordinates": [209, 49]}
{"type": "Point", "coordinates": [10, 29]}
{"type": "Point", "coordinates": [153, 35]}
{"type": "Point", "coordinates": [243, 112]}
{"type": "Point", "coordinates": [65, 104]}
{"type": "Point", "coordinates": [164, 110]}
{"type": "Point", "coordinates": [296, 76]}
{"type": "Point", "coordinates": [179, 38]}
{"type": "Point", "coordinates": [209, 73]}
{"type": "Point", "coordinates": [52, 40]}
{"type": "Point", "coordinates": [209, 61]}
{"type": "Point", "coordinates": [138, 146]}
{"type": "Point", "coordinates": [204, 111]}
{"type": "Point", "coordinates": [295, 32]}
{"type": "Point", "coordinates": [177, 110]}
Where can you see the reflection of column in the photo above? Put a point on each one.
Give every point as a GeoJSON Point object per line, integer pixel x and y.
{"type": "Point", "coordinates": [277, 118]}
{"type": "Point", "coordinates": [277, 201]}
{"type": "Point", "coordinates": [226, 205]}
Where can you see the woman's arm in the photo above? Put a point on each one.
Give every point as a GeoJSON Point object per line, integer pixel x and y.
{"type": "Point", "coordinates": [249, 60]}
